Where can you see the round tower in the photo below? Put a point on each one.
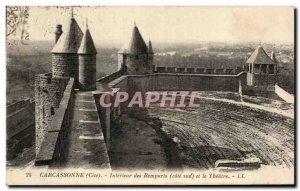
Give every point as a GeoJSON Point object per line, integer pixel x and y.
{"type": "Point", "coordinates": [64, 53]}
{"type": "Point", "coordinates": [134, 57]}
{"type": "Point", "coordinates": [87, 63]}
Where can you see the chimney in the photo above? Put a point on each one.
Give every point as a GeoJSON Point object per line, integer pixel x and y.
{"type": "Point", "coordinates": [58, 32]}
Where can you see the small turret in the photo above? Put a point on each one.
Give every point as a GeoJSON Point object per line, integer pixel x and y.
{"type": "Point", "coordinates": [87, 62]}
{"type": "Point", "coordinates": [64, 53]}
{"type": "Point", "coordinates": [135, 56]}
{"type": "Point", "coordinates": [261, 68]}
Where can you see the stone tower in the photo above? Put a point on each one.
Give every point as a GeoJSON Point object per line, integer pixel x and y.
{"type": "Point", "coordinates": [261, 69]}
{"type": "Point", "coordinates": [134, 58]}
{"type": "Point", "coordinates": [50, 87]}
{"type": "Point", "coordinates": [87, 63]}
{"type": "Point", "coordinates": [64, 53]}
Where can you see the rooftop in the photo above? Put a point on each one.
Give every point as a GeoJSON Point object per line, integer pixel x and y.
{"type": "Point", "coordinates": [69, 41]}
{"type": "Point", "coordinates": [87, 44]}
{"type": "Point", "coordinates": [136, 45]}
{"type": "Point", "coordinates": [259, 56]}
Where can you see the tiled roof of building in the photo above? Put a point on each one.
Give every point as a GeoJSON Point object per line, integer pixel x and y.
{"type": "Point", "coordinates": [137, 44]}
{"type": "Point", "coordinates": [259, 56]}
{"type": "Point", "coordinates": [87, 44]}
{"type": "Point", "coordinates": [69, 41]}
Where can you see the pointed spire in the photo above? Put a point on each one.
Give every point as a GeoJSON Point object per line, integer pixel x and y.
{"type": "Point", "coordinates": [87, 23]}
{"type": "Point", "coordinates": [150, 50]}
{"type": "Point", "coordinates": [259, 56]}
{"type": "Point", "coordinates": [137, 44]}
{"type": "Point", "coordinates": [70, 39]}
{"type": "Point", "coordinates": [87, 45]}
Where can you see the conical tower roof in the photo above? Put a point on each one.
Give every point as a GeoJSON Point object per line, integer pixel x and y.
{"type": "Point", "coordinates": [259, 56]}
{"type": "Point", "coordinates": [136, 45]}
{"type": "Point", "coordinates": [150, 50]}
{"type": "Point", "coordinates": [87, 44]}
{"type": "Point", "coordinates": [69, 41]}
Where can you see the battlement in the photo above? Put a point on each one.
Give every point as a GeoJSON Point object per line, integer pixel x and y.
{"type": "Point", "coordinates": [178, 82]}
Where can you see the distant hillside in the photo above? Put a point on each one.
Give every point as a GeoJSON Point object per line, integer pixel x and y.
{"type": "Point", "coordinates": [26, 61]}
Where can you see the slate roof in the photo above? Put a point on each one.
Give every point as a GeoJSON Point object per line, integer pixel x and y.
{"type": "Point", "coordinates": [69, 41]}
{"type": "Point", "coordinates": [259, 56]}
{"type": "Point", "coordinates": [87, 44]}
{"type": "Point", "coordinates": [136, 45]}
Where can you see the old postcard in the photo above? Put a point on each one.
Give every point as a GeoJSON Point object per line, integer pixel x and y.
{"type": "Point", "coordinates": [150, 95]}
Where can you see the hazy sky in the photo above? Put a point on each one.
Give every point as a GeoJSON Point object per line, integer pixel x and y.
{"type": "Point", "coordinates": [113, 25]}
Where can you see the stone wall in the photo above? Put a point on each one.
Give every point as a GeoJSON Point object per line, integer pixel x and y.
{"type": "Point", "coordinates": [111, 77]}
{"type": "Point", "coordinates": [52, 149]}
{"type": "Point", "coordinates": [121, 83]}
{"type": "Point", "coordinates": [138, 64]}
{"type": "Point", "coordinates": [183, 82]}
{"type": "Point", "coordinates": [164, 82]}
{"type": "Point", "coordinates": [48, 94]}
{"type": "Point", "coordinates": [260, 79]}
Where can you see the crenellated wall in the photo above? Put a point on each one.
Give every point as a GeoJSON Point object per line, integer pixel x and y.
{"type": "Point", "coordinates": [52, 148]}
{"type": "Point", "coordinates": [184, 82]}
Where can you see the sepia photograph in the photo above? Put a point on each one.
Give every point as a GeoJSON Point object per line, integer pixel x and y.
{"type": "Point", "coordinates": [157, 95]}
